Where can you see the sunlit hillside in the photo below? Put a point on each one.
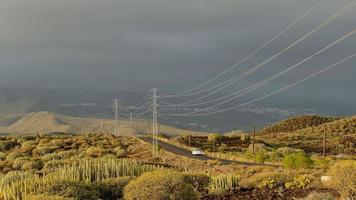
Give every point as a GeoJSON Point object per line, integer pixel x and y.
{"type": "Point", "coordinates": [340, 136]}
{"type": "Point", "coordinates": [297, 123]}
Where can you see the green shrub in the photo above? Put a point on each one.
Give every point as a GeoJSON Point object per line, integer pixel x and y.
{"type": "Point", "coordinates": [283, 151]}
{"type": "Point", "coordinates": [244, 137]}
{"type": "Point", "coordinates": [57, 142]}
{"type": "Point", "coordinates": [13, 155]}
{"type": "Point", "coordinates": [112, 189]}
{"type": "Point", "coordinates": [260, 157]}
{"type": "Point", "coordinates": [95, 152]}
{"type": "Point", "coordinates": [77, 190]}
{"type": "Point", "coordinates": [198, 181]}
{"type": "Point", "coordinates": [109, 189]}
{"type": "Point", "coordinates": [28, 146]}
{"type": "Point", "coordinates": [7, 145]}
{"type": "Point", "coordinates": [344, 178]}
{"type": "Point", "coordinates": [120, 152]}
{"type": "Point", "coordinates": [32, 165]}
{"type": "Point", "coordinates": [258, 147]}
{"type": "Point", "coordinates": [51, 156]}
{"type": "Point", "coordinates": [297, 161]}
{"type": "Point", "coordinates": [17, 164]}
{"type": "Point", "coordinates": [268, 183]}
{"type": "Point", "coordinates": [159, 185]}
{"type": "Point", "coordinates": [298, 182]}
{"type": "Point", "coordinates": [2, 155]}
{"type": "Point", "coordinates": [43, 150]}
{"type": "Point", "coordinates": [280, 153]}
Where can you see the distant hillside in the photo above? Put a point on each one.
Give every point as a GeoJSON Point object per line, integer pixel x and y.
{"type": "Point", "coordinates": [340, 134]}
{"type": "Point", "coordinates": [297, 123]}
{"type": "Point", "coordinates": [47, 122]}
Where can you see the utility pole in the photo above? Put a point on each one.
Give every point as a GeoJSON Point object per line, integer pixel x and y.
{"type": "Point", "coordinates": [131, 119]}
{"type": "Point", "coordinates": [155, 122]}
{"type": "Point", "coordinates": [324, 143]}
{"type": "Point", "coordinates": [253, 139]}
{"type": "Point", "coordinates": [116, 111]}
{"type": "Point", "coordinates": [189, 138]}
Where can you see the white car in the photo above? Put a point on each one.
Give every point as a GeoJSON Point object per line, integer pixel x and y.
{"type": "Point", "coordinates": [197, 152]}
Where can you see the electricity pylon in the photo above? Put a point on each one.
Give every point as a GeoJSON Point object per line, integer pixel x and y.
{"type": "Point", "coordinates": [155, 122]}
{"type": "Point", "coordinates": [116, 111]}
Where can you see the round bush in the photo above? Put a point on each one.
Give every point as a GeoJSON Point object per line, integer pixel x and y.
{"type": "Point", "coordinates": [94, 152]}
{"type": "Point", "coordinates": [198, 181]}
{"type": "Point", "coordinates": [258, 147]}
{"type": "Point", "coordinates": [245, 137]}
{"type": "Point", "coordinates": [31, 165]}
{"type": "Point", "coordinates": [297, 161]}
{"type": "Point", "coordinates": [283, 151]}
{"type": "Point", "coordinates": [17, 164]}
{"type": "Point", "coordinates": [120, 152]}
{"type": "Point", "coordinates": [261, 157]}
{"type": "Point", "coordinates": [13, 155]}
{"type": "Point", "coordinates": [43, 150]}
{"type": "Point", "coordinates": [2, 155]}
{"type": "Point", "coordinates": [159, 185]}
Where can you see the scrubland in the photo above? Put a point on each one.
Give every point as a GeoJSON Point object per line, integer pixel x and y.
{"type": "Point", "coordinates": [103, 166]}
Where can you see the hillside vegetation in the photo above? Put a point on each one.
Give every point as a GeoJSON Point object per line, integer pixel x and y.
{"type": "Point", "coordinates": [340, 137]}
{"type": "Point", "coordinates": [297, 123]}
{"type": "Point", "coordinates": [103, 166]}
{"type": "Point", "coordinates": [97, 166]}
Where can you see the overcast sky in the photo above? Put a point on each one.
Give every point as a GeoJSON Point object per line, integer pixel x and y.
{"type": "Point", "coordinates": [169, 44]}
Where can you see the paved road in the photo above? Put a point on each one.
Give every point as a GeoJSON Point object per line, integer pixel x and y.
{"type": "Point", "coordinates": [183, 152]}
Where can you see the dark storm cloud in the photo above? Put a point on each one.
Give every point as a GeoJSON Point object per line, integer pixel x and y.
{"type": "Point", "coordinates": [139, 44]}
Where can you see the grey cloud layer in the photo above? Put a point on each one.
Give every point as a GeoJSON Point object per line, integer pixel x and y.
{"type": "Point", "coordinates": [138, 44]}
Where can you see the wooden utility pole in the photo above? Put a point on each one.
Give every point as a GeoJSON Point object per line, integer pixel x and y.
{"type": "Point", "coordinates": [214, 144]}
{"type": "Point", "coordinates": [253, 139]}
{"type": "Point", "coordinates": [324, 143]}
{"type": "Point", "coordinates": [189, 138]}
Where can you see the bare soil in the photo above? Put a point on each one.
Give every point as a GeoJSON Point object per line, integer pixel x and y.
{"type": "Point", "coordinates": [278, 193]}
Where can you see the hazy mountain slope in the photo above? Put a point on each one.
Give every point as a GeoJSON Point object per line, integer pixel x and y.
{"type": "Point", "coordinates": [38, 122]}
{"type": "Point", "coordinates": [297, 123]}
{"type": "Point", "coordinates": [46, 122]}
{"type": "Point", "coordinates": [7, 120]}
{"type": "Point", "coordinates": [340, 137]}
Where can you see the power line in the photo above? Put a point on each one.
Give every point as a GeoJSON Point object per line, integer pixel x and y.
{"type": "Point", "coordinates": [141, 103]}
{"type": "Point", "coordinates": [269, 94]}
{"type": "Point", "coordinates": [184, 93]}
{"type": "Point", "coordinates": [257, 85]}
{"type": "Point", "coordinates": [239, 77]}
